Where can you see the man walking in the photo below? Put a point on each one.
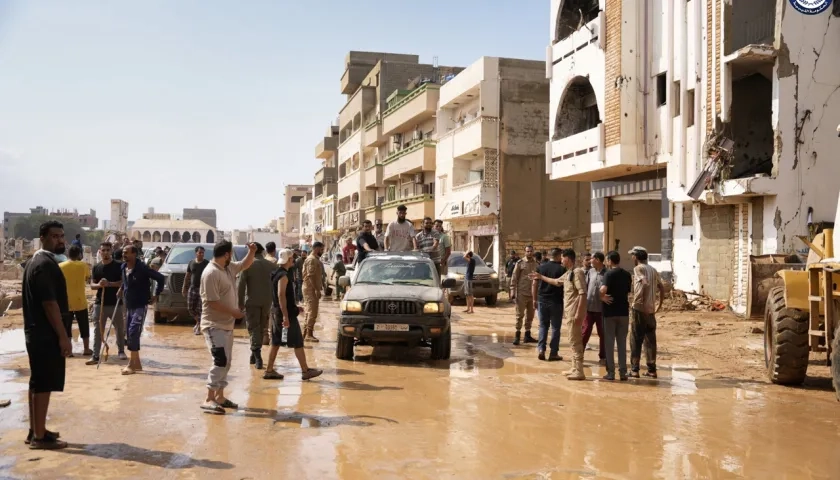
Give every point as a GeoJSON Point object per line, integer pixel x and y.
{"type": "Point", "coordinates": [312, 282]}
{"type": "Point", "coordinates": [219, 313]}
{"type": "Point", "coordinates": [365, 242]}
{"type": "Point", "coordinates": [468, 282]}
{"type": "Point", "coordinates": [646, 282]}
{"type": "Point", "coordinates": [107, 280]}
{"type": "Point", "coordinates": [614, 292]}
{"type": "Point", "coordinates": [77, 275]}
{"type": "Point", "coordinates": [400, 233]}
{"type": "Point", "coordinates": [255, 298]}
{"type": "Point", "coordinates": [379, 234]}
{"type": "Point", "coordinates": [427, 241]}
{"type": "Point", "coordinates": [136, 284]}
{"type": "Point", "coordinates": [594, 279]}
{"type": "Point", "coordinates": [47, 344]}
{"type": "Point", "coordinates": [298, 274]}
{"type": "Point", "coordinates": [338, 270]}
{"type": "Point", "coordinates": [287, 312]}
{"type": "Point", "coordinates": [520, 292]}
{"type": "Point", "coordinates": [548, 294]}
{"type": "Point", "coordinates": [191, 289]}
{"type": "Point", "coordinates": [445, 245]}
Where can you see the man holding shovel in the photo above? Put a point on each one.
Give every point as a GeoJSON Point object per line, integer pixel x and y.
{"type": "Point", "coordinates": [106, 280]}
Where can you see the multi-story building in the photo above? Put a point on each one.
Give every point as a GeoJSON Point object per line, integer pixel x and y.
{"type": "Point", "coordinates": [325, 201]}
{"type": "Point", "coordinates": [119, 216]}
{"type": "Point", "coordinates": [294, 198]}
{"type": "Point", "coordinates": [307, 217]}
{"type": "Point", "coordinates": [491, 186]}
{"type": "Point", "coordinates": [386, 130]}
{"type": "Point", "coordinates": [155, 232]}
{"type": "Point", "coordinates": [703, 126]}
{"type": "Point", "coordinates": [206, 215]}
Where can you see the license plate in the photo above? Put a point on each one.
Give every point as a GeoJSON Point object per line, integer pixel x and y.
{"type": "Point", "coordinates": [390, 327]}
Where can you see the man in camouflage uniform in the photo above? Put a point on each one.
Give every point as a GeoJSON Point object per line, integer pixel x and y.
{"type": "Point", "coordinates": [313, 283]}
{"type": "Point", "coordinates": [520, 292]}
{"type": "Point", "coordinates": [574, 302]}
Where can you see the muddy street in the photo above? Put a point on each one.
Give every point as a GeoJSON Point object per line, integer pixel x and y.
{"type": "Point", "coordinates": [492, 411]}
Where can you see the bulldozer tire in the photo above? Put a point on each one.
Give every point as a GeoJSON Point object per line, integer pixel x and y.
{"type": "Point", "coordinates": [835, 362]}
{"type": "Point", "coordinates": [785, 340]}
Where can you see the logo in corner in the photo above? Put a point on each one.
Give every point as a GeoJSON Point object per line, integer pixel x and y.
{"type": "Point", "coordinates": [810, 7]}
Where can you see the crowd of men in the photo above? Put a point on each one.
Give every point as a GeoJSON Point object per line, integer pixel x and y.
{"type": "Point", "coordinates": [598, 296]}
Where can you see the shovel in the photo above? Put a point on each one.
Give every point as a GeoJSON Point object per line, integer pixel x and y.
{"type": "Point", "coordinates": [107, 334]}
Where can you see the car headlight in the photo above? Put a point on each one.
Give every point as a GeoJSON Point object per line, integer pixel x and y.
{"type": "Point", "coordinates": [494, 275]}
{"type": "Point", "coordinates": [432, 307]}
{"type": "Point", "coordinates": [456, 276]}
{"type": "Point", "coordinates": [351, 306]}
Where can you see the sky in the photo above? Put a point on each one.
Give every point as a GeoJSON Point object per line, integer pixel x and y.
{"type": "Point", "coordinates": [216, 104]}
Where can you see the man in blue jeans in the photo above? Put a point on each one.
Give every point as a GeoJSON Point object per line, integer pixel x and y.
{"type": "Point", "coordinates": [548, 300]}
{"type": "Point", "coordinates": [136, 284]}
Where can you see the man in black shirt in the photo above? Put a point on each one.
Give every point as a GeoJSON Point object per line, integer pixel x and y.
{"type": "Point", "coordinates": [283, 293]}
{"type": "Point", "coordinates": [192, 286]}
{"type": "Point", "coordinates": [616, 308]}
{"type": "Point", "coordinates": [548, 299]}
{"type": "Point", "coordinates": [365, 242]}
{"type": "Point", "coordinates": [106, 280]}
{"type": "Point", "coordinates": [47, 344]}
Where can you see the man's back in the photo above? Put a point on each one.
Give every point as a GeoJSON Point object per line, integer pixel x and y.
{"type": "Point", "coordinates": [255, 283]}
{"type": "Point", "coordinates": [645, 284]}
{"type": "Point", "coordinates": [76, 274]}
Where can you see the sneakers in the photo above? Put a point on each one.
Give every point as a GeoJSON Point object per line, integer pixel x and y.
{"type": "Point", "coordinates": [634, 374]}
{"type": "Point", "coordinates": [272, 375]}
{"type": "Point", "coordinates": [529, 338]}
{"type": "Point", "coordinates": [122, 356]}
{"type": "Point", "coordinates": [212, 407]}
{"type": "Point", "coordinates": [92, 361]}
{"type": "Point", "coordinates": [309, 337]}
{"type": "Point", "coordinates": [258, 364]}
{"type": "Point", "coordinates": [47, 433]}
{"type": "Point", "coordinates": [577, 370]}
{"type": "Point", "coordinates": [541, 356]}
{"type": "Point", "coordinates": [609, 377]}
{"type": "Point", "coordinates": [311, 373]}
{"type": "Point", "coordinates": [516, 338]}
{"type": "Point", "coordinates": [554, 357]}
{"type": "Point", "coordinates": [253, 359]}
{"type": "Point", "coordinates": [650, 374]}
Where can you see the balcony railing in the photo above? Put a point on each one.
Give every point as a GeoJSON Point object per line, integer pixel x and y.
{"type": "Point", "coordinates": [407, 200]}
{"type": "Point", "coordinates": [402, 97]}
{"type": "Point", "coordinates": [588, 35]}
{"type": "Point", "coordinates": [583, 143]}
{"type": "Point", "coordinates": [757, 29]}
{"type": "Point", "coordinates": [405, 151]}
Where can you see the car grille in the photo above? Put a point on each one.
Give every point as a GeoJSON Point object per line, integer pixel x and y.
{"type": "Point", "coordinates": [482, 277]}
{"type": "Point", "coordinates": [391, 307]}
{"type": "Point", "coordinates": [177, 281]}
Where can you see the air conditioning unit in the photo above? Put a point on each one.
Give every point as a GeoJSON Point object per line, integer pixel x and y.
{"type": "Point", "coordinates": [418, 177]}
{"type": "Point", "coordinates": [418, 135]}
{"type": "Point", "coordinates": [397, 140]}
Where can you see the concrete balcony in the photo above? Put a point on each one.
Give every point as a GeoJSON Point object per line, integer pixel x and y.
{"type": "Point", "coordinates": [373, 176]}
{"type": "Point", "coordinates": [326, 175]}
{"type": "Point", "coordinates": [582, 158]}
{"type": "Point", "coordinates": [414, 159]}
{"type": "Point", "coordinates": [326, 148]}
{"type": "Point", "coordinates": [350, 184]}
{"type": "Point", "coordinates": [353, 77]}
{"type": "Point", "coordinates": [325, 190]}
{"type": "Point", "coordinates": [577, 44]}
{"type": "Point", "coordinates": [373, 212]}
{"type": "Point", "coordinates": [351, 219]}
{"type": "Point", "coordinates": [417, 208]}
{"type": "Point", "coordinates": [470, 138]}
{"type": "Point", "coordinates": [408, 108]}
{"type": "Point", "coordinates": [373, 134]}
{"type": "Point", "coordinates": [354, 110]}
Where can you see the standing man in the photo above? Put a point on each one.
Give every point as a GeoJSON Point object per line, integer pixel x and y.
{"type": "Point", "coordinates": [139, 246]}
{"type": "Point", "coordinates": [379, 234]}
{"type": "Point", "coordinates": [445, 245]}
{"type": "Point", "coordinates": [298, 274]}
{"type": "Point", "coordinates": [255, 298]}
{"type": "Point", "coordinates": [192, 286]}
{"type": "Point", "coordinates": [366, 242]}
{"type": "Point", "coordinates": [312, 281]}
{"type": "Point", "coordinates": [287, 313]}
{"type": "Point", "coordinates": [338, 270]}
{"type": "Point", "coordinates": [587, 262]}
{"type": "Point", "coordinates": [77, 242]}
{"type": "Point", "coordinates": [271, 252]}
{"type": "Point", "coordinates": [574, 300]}
{"type": "Point", "coordinates": [646, 282]}
{"type": "Point", "coordinates": [219, 313]}
{"type": "Point", "coordinates": [520, 292]}
{"type": "Point", "coordinates": [400, 233]}
{"type": "Point", "coordinates": [348, 252]}
{"type": "Point", "coordinates": [427, 241]}
{"type": "Point", "coordinates": [511, 263]}
{"type": "Point", "coordinates": [136, 284]}
{"type": "Point", "coordinates": [107, 280]}
{"type": "Point", "coordinates": [157, 261]}
{"type": "Point", "coordinates": [77, 275]}
{"type": "Point", "coordinates": [594, 279]}
{"type": "Point", "coordinates": [548, 294]}
{"type": "Point", "coordinates": [47, 344]}
{"type": "Point", "coordinates": [468, 282]}
{"type": "Point", "coordinates": [614, 292]}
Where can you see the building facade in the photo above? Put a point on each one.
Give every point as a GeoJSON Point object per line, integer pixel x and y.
{"type": "Point", "coordinates": [119, 216]}
{"type": "Point", "coordinates": [206, 215]}
{"type": "Point", "coordinates": [703, 126]}
{"type": "Point", "coordinates": [294, 196]}
{"type": "Point", "coordinates": [491, 187]}
{"type": "Point", "coordinates": [325, 201]}
{"type": "Point", "coordinates": [167, 232]}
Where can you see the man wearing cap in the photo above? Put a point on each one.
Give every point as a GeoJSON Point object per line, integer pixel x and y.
{"type": "Point", "coordinates": [520, 292]}
{"type": "Point", "coordinates": [313, 282]}
{"type": "Point", "coordinates": [399, 236]}
{"type": "Point", "coordinates": [646, 282]}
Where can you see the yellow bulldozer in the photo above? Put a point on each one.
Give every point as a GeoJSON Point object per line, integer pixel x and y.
{"type": "Point", "coordinates": [802, 315]}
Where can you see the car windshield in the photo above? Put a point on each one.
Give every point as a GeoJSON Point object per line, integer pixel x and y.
{"type": "Point", "coordinates": [182, 254]}
{"type": "Point", "coordinates": [390, 272]}
{"type": "Point", "coordinates": [458, 260]}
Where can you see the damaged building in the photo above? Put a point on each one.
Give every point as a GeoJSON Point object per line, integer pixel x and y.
{"type": "Point", "coordinates": [711, 123]}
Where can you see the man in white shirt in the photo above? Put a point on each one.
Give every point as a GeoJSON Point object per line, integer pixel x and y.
{"type": "Point", "coordinates": [399, 236]}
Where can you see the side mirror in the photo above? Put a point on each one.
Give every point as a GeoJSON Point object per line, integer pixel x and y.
{"type": "Point", "coordinates": [490, 265]}
{"type": "Point", "coordinates": [344, 281]}
{"type": "Point", "coordinates": [448, 283]}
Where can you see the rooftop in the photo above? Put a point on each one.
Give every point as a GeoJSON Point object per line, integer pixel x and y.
{"type": "Point", "coordinates": [145, 224]}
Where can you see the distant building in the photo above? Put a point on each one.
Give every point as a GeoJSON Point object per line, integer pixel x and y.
{"type": "Point", "coordinates": [166, 232]}
{"type": "Point", "coordinates": [206, 215]}
{"type": "Point", "coordinates": [9, 217]}
{"type": "Point", "coordinates": [157, 216]}
{"type": "Point", "coordinates": [119, 216]}
{"type": "Point", "coordinates": [295, 198]}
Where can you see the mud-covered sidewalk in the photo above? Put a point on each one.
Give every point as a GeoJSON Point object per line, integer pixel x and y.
{"type": "Point", "coordinates": [492, 411]}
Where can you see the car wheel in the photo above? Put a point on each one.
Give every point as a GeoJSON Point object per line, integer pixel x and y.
{"type": "Point", "coordinates": [491, 300]}
{"type": "Point", "coordinates": [442, 346]}
{"type": "Point", "coordinates": [344, 347]}
{"type": "Point", "coordinates": [159, 318]}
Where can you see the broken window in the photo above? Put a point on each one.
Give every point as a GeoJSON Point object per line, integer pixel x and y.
{"type": "Point", "coordinates": [661, 90]}
{"type": "Point", "coordinates": [751, 126]}
{"type": "Point", "coordinates": [573, 16]}
{"type": "Point", "coordinates": [749, 23]}
{"type": "Point", "coordinates": [578, 110]}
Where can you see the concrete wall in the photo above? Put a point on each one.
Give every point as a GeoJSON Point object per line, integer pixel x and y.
{"type": "Point", "coordinates": [717, 255]}
{"type": "Point", "coordinates": [637, 222]}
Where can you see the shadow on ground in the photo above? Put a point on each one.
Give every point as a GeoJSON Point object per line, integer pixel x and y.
{"type": "Point", "coordinates": [129, 453]}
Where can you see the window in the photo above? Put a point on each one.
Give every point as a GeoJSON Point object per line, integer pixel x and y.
{"type": "Point", "coordinates": [297, 198]}
{"type": "Point", "coordinates": [442, 183]}
{"type": "Point", "coordinates": [689, 103]}
{"type": "Point", "coordinates": [687, 215]}
{"type": "Point", "coordinates": [675, 90]}
{"type": "Point", "coordinates": [661, 90]}
{"type": "Point", "coordinates": [396, 272]}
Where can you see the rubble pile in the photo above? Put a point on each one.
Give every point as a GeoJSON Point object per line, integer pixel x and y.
{"type": "Point", "coordinates": [681, 301]}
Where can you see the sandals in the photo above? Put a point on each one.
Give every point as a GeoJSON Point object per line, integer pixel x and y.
{"type": "Point", "coordinates": [47, 443]}
{"type": "Point", "coordinates": [228, 404]}
{"type": "Point", "coordinates": [272, 375]}
{"type": "Point", "coordinates": [47, 434]}
{"type": "Point", "coordinates": [213, 407]}
{"type": "Point", "coordinates": [128, 371]}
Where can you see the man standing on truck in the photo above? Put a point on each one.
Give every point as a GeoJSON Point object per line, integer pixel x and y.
{"type": "Point", "coordinates": [365, 242]}
{"type": "Point", "coordinates": [136, 284]}
{"type": "Point", "coordinates": [400, 233]}
{"type": "Point", "coordinates": [192, 286]}
{"type": "Point", "coordinates": [646, 282]}
{"type": "Point", "coordinates": [445, 246]}
{"type": "Point", "coordinates": [313, 281]}
{"type": "Point", "coordinates": [379, 234]}
{"type": "Point", "coordinates": [427, 241]}
{"type": "Point", "coordinates": [520, 292]}
{"type": "Point", "coordinates": [255, 298]}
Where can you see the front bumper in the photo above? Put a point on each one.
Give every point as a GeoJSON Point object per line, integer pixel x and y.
{"type": "Point", "coordinates": [171, 304]}
{"type": "Point", "coordinates": [481, 288]}
{"type": "Point", "coordinates": [420, 327]}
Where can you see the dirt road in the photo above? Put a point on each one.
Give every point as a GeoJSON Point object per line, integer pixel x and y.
{"type": "Point", "coordinates": [492, 411]}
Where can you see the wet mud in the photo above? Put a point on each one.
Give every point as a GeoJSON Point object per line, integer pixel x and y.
{"type": "Point", "coordinates": [491, 411]}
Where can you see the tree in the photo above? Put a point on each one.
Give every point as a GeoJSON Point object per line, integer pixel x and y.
{"type": "Point", "coordinates": [28, 227]}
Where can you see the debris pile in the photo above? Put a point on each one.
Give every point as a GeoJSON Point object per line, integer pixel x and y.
{"type": "Point", "coordinates": [681, 301]}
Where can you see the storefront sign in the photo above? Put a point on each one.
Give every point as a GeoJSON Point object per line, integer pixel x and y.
{"type": "Point", "coordinates": [455, 210]}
